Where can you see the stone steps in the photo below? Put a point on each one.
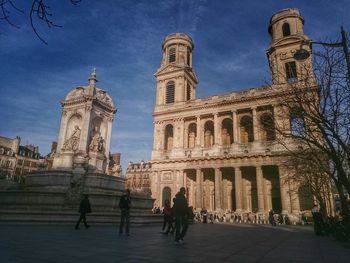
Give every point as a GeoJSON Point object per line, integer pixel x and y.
{"type": "Point", "coordinates": [57, 217]}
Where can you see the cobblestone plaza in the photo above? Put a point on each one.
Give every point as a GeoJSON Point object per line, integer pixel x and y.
{"type": "Point", "coordinates": [204, 243]}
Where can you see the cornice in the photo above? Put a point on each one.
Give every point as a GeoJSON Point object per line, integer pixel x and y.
{"type": "Point", "coordinates": [85, 99]}
{"type": "Point", "coordinates": [233, 157]}
{"type": "Point", "coordinates": [218, 103]}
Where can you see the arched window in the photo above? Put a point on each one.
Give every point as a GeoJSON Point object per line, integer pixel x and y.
{"type": "Point", "coordinates": [208, 134]}
{"type": "Point", "coordinates": [172, 55]}
{"type": "Point", "coordinates": [267, 127]}
{"type": "Point", "coordinates": [291, 71]}
{"type": "Point", "coordinates": [286, 29]}
{"type": "Point", "coordinates": [169, 137]}
{"type": "Point", "coordinates": [297, 124]}
{"type": "Point", "coordinates": [192, 135]}
{"type": "Point", "coordinates": [246, 127]}
{"type": "Point", "coordinates": [226, 132]}
{"type": "Point", "coordinates": [166, 194]}
{"type": "Point", "coordinates": [170, 92]}
{"type": "Point", "coordinates": [188, 92]}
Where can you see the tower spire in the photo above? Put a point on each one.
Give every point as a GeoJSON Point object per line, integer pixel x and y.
{"type": "Point", "coordinates": [92, 78]}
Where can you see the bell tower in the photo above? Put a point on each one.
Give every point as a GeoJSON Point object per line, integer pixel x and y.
{"type": "Point", "coordinates": [176, 80]}
{"type": "Point", "coordinates": [287, 32]}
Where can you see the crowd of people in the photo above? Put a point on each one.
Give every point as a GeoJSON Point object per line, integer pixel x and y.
{"type": "Point", "coordinates": [179, 215]}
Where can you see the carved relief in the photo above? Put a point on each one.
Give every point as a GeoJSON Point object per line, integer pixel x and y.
{"type": "Point", "coordinates": [78, 92]}
{"type": "Point", "coordinates": [167, 177]}
{"type": "Point", "coordinates": [72, 143]}
{"type": "Point", "coordinates": [102, 96]}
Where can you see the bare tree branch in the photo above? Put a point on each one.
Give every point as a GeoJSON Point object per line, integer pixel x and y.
{"type": "Point", "coordinates": [318, 106]}
{"type": "Point", "coordinates": [38, 13]}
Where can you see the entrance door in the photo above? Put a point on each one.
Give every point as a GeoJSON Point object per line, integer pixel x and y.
{"type": "Point", "coordinates": [166, 194]}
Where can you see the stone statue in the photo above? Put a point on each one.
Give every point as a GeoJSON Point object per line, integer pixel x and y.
{"type": "Point", "coordinates": [100, 144]}
{"type": "Point", "coordinates": [97, 142]}
{"type": "Point", "coordinates": [72, 143]}
{"type": "Point", "coordinates": [116, 170]}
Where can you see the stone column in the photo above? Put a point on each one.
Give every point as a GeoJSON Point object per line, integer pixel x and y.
{"type": "Point", "coordinates": [235, 127]}
{"type": "Point", "coordinates": [255, 125]}
{"type": "Point", "coordinates": [218, 189]}
{"type": "Point", "coordinates": [295, 204]}
{"type": "Point", "coordinates": [191, 200]}
{"type": "Point", "coordinates": [182, 133]}
{"type": "Point", "coordinates": [238, 188]}
{"type": "Point", "coordinates": [184, 179]}
{"type": "Point", "coordinates": [284, 190]}
{"type": "Point", "coordinates": [181, 179]}
{"type": "Point", "coordinates": [216, 130]}
{"type": "Point", "coordinates": [199, 129]}
{"type": "Point", "coordinates": [277, 122]}
{"type": "Point", "coordinates": [63, 131]}
{"type": "Point", "coordinates": [108, 136]}
{"type": "Point", "coordinates": [259, 180]}
{"type": "Point", "coordinates": [185, 136]}
{"type": "Point", "coordinates": [159, 189]}
{"type": "Point", "coordinates": [199, 188]}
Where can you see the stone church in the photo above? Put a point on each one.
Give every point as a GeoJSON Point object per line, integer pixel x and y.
{"type": "Point", "coordinates": [223, 148]}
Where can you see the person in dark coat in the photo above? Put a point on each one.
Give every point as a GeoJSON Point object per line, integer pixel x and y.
{"type": "Point", "coordinates": [181, 211]}
{"type": "Point", "coordinates": [84, 208]}
{"type": "Point", "coordinates": [125, 205]}
{"type": "Point", "coordinates": [272, 218]}
{"type": "Point", "coordinates": [318, 220]}
{"type": "Point", "coordinates": [168, 218]}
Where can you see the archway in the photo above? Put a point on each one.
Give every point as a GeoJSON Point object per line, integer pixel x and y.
{"type": "Point", "coordinates": [246, 127]}
{"type": "Point", "coordinates": [166, 195]}
{"type": "Point", "coordinates": [169, 135]}
{"type": "Point", "coordinates": [208, 134]}
{"type": "Point", "coordinates": [267, 127]}
{"type": "Point", "coordinates": [192, 135]}
{"type": "Point", "coordinates": [226, 132]}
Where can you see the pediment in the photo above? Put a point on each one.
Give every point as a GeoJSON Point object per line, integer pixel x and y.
{"type": "Point", "coordinates": [175, 68]}
{"type": "Point", "coordinates": [167, 69]}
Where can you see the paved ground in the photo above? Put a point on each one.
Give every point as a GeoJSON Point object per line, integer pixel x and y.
{"type": "Point", "coordinates": [204, 243]}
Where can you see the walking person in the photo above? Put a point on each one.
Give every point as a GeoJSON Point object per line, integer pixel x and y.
{"type": "Point", "coordinates": [181, 215]}
{"type": "Point", "coordinates": [166, 214]}
{"type": "Point", "coordinates": [318, 221]}
{"type": "Point", "coordinates": [125, 205]}
{"type": "Point", "coordinates": [84, 208]}
{"type": "Point", "coordinates": [170, 221]}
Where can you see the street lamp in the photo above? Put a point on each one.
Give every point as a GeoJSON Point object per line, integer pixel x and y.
{"type": "Point", "coordinates": [303, 54]}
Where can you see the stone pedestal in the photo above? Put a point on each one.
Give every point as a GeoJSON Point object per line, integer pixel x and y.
{"type": "Point", "coordinates": [63, 160]}
{"type": "Point", "coordinates": [97, 162]}
{"type": "Point", "coordinates": [54, 197]}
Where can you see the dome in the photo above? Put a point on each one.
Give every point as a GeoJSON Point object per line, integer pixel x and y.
{"type": "Point", "coordinates": [176, 38]}
{"type": "Point", "coordinates": [81, 92]}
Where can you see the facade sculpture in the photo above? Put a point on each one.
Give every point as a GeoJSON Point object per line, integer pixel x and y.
{"type": "Point", "coordinates": [72, 143]}
{"type": "Point", "coordinates": [223, 149]}
{"type": "Point", "coordinates": [97, 142]}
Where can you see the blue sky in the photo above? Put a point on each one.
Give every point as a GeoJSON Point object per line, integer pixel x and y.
{"type": "Point", "coordinates": [122, 39]}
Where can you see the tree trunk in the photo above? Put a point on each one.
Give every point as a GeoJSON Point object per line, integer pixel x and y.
{"type": "Point", "coordinates": [343, 200]}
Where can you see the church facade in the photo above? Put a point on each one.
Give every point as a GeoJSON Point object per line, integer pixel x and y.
{"type": "Point", "coordinates": [223, 149]}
